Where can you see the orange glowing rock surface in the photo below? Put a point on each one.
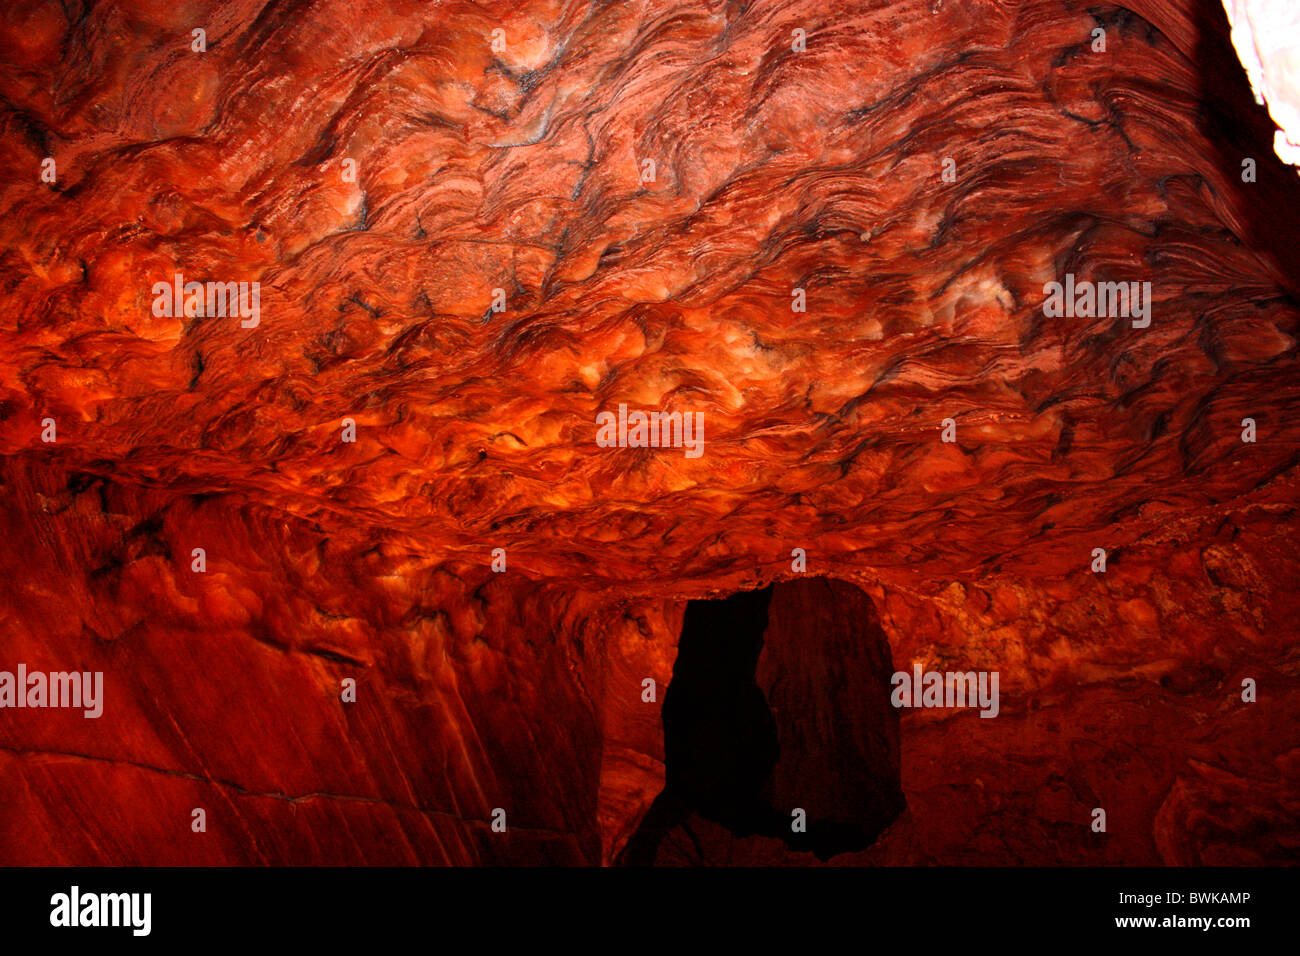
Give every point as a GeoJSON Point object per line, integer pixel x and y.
{"type": "Point", "coordinates": [467, 246]}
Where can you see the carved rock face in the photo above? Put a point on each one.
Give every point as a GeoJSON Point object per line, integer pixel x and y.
{"type": "Point", "coordinates": [827, 233]}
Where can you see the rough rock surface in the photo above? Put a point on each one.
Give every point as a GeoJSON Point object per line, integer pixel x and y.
{"type": "Point", "coordinates": [521, 168]}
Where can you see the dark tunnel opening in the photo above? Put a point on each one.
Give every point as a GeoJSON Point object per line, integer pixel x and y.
{"type": "Point", "coordinates": [779, 702]}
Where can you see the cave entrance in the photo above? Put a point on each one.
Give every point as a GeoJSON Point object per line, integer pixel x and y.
{"type": "Point", "coordinates": [779, 701]}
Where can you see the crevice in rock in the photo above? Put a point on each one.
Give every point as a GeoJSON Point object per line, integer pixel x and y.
{"type": "Point", "coordinates": [778, 703]}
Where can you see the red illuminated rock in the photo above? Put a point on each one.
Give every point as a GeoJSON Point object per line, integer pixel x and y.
{"type": "Point", "coordinates": [467, 245]}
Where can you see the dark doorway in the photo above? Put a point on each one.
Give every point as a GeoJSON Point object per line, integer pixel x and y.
{"type": "Point", "coordinates": [831, 749]}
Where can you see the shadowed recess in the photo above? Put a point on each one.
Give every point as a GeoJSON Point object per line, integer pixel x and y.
{"type": "Point", "coordinates": [813, 652]}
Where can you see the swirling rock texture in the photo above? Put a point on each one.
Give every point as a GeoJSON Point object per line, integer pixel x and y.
{"type": "Point", "coordinates": [476, 226]}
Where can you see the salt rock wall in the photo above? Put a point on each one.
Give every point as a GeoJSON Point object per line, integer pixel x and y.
{"type": "Point", "coordinates": [826, 671]}
{"type": "Point", "coordinates": [826, 228]}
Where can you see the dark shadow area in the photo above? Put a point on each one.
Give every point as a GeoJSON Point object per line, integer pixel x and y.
{"type": "Point", "coordinates": [722, 744]}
